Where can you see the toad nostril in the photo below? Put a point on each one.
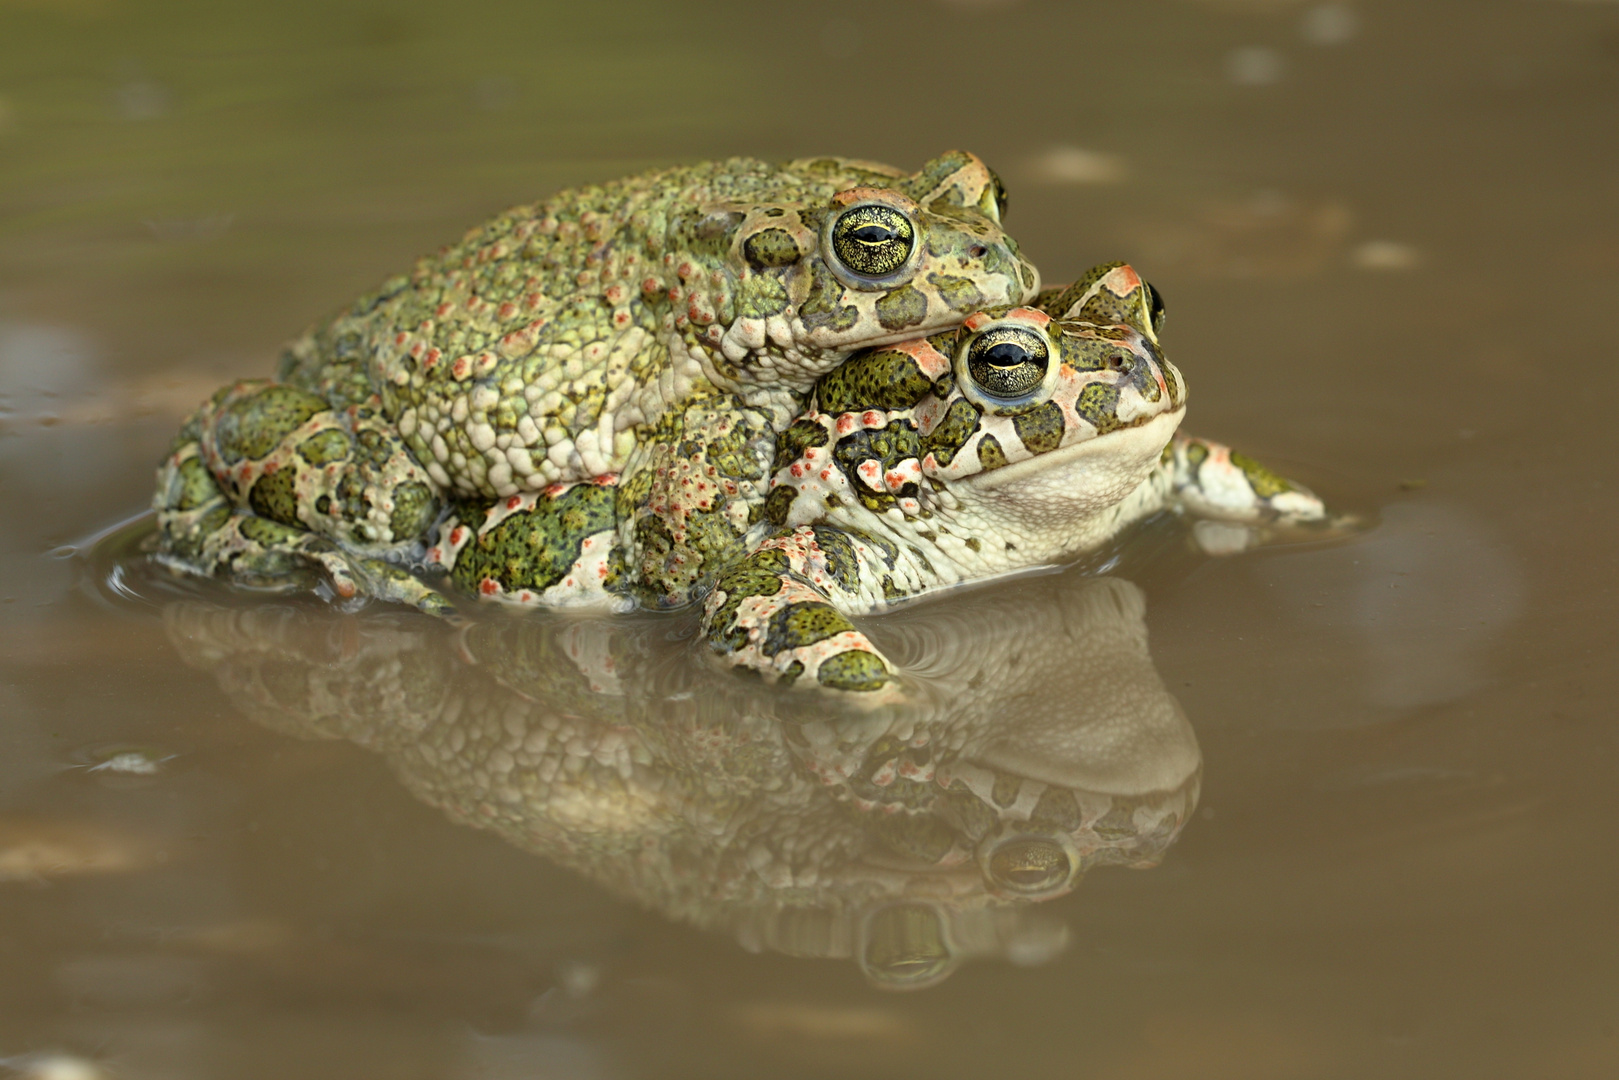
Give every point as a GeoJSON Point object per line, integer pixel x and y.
{"type": "Point", "coordinates": [1119, 363]}
{"type": "Point", "coordinates": [978, 251]}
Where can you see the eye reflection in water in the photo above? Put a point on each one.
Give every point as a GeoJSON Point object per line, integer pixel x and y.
{"type": "Point", "coordinates": [1039, 743]}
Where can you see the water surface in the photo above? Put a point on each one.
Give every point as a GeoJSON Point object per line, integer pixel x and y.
{"type": "Point", "coordinates": [1368, 787]}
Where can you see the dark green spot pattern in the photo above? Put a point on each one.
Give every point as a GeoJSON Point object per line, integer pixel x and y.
{"type": "Point", "coordinates": [1099, 403]}
{"type": "Point", "coordinates": [902, 308]}
{"type": "Point", "coordinates": [251, 427]}
{"type": "Point", "coordinates": [801, 624]}
{"type": "Point", "coordinates": [877, 379]}
{"type": "Point", "coordinates": [855, 669]}
{"type": "Point", "coordinates": [1041, 428]}
{"type": "Point", "coordinates": [274, 496]}
{"type": "Point", "coordinates": [535, 548]}
{"type": "Point", "coordinates": [770, 248]}
{"type": "Point", "coordinates": [953, 431]}
{"type": "Point", "coordinates": [1264, 482]}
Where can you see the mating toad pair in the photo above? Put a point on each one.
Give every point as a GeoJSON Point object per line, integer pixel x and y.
{"type": "Point", "coordinates": [793, 394]}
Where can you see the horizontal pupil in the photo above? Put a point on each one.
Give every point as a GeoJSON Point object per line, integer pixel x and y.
{"type": "Point", "coordinates": [1006, 355]}
{"type": "Point", "coordinates": [872, 234]}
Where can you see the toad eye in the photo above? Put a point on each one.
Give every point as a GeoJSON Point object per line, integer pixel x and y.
{"type": "Point", "coordinates": [1155, 309]}
{"type": "Point", "coordinates": [873, 240]}
{"type": "Point", "coordinates": [1007, 362]}
{"type": "Point", "coordinates": [1029, 865]}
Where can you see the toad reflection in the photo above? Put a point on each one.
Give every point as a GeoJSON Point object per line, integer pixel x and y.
{"type": "Point", "coordinates": [1042, 744]}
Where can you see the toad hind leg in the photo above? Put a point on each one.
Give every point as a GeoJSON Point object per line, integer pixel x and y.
{"type": "Point", "coordinates": [558, 547]}
{"type": "Point", "coordinates": [252, 528]}
{"type": "Point", "coordinates": [773, 614]}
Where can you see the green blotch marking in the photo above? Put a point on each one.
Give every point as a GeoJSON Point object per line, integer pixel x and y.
{"type": "Point", "coordinates": [976, 818]}
{"type": "Point", "coordinates": [854, 669]}
{"type": "Point", "coordinates": [760, 296]}
{"type": "Point", "coordinates": [997, 263]}
{"type": "Point", "coordinates": [905, 306]}
{"type": "Point", "coordinates": [270, 533]}
{"type": "Point", "coordinates": [372, 447]}
{"type": "Point", "coordinates": [823, 306]}
{"type": "Point", "coordinates": [842, 561]}
{"type": "Point", "coordinates": [189, 544]}
{"type": "Point", "coordinates": [1117, 824]}
{"type": "Point", "coordinates": [877, 379]}
{"type": "Point", "coordinates": [323, 505]}
{"type": "Point", "coordinates": [778, 503]}
{"type": "Point", "coordinates": [197, 485]}
{"type": "Point", "coordinates": [796, 439]}
{"type": "Point", "coordinates": [973, 544]}
{"type": "Point", "coordinates": [732, 455]}
{"type": "Point", "coordinates": [414, 510]}
{"type": "Point", "coordinates": [534, 549]}
{"type": "Point", "coordinates": [1057, 809]}
{"type": "Point", "coordinates": [252, 426]}
{"type": "Point", "coordinates": [1264, 482]}
{"type": "Point", "coordinates": [790, 676]}
{"type": "Point", "coordinates": [760, 575]}
{"type": "Point", "coordinates": [1196, 455]}
{"type": "Point", "coordinates": [1059, 302]}
{"type": "Point", "coordinates": [1099, 403]}
{"type": "Point", "coordinates": [801, 624]}
{"type": "Point", "coordinates": [990, 454]}
{"type": "Point", "coordinates": [352, 502]}
{"type": "Point", "coordinates": [953, 431]}
{"type": "Point", "coordinates": [1041, 428]}
{"type": "Point", "coordinates": [888, 446]}
{"type": "Point", "coordinates": [771, 247]}
{"type": "Point", "coordinates": [633, 492]}
{"type": "Point", "coordinates": [958, 293]}
{"type": "Point", "coordinates": [1172, 379]}
{"type": "Point", "coordinates": [926, 181]}
{"type": "Point", "coordinates": [1130, 310]}
{"type": "Point", "coordinates": [324, 447]}
{"type": "Point", "coordinates": [1141, 376]}
{"type": "Point", "coordinates": [1085, 353]}
{"type": "Point", "coordinates": [1004, 792]}
{"type": "Point", "coordinates": [275, 496]}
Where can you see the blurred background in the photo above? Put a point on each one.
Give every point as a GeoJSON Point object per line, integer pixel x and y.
{"type": "Point", "coordinates": [1388, 234]}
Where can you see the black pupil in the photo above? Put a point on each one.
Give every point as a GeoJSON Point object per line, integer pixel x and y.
{"type": "Point", "coordinates": [1005, 355]}
{"type": "Point", "coordinates": [872, 234]}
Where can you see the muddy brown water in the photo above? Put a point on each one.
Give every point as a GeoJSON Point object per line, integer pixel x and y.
{"type": "Point", "coordinates": [1368, 788]}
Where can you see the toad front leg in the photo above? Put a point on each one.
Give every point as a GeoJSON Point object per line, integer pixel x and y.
{"type": "Point", "coordinates": [1236, 502]}
{"type": "Point", "coordinates": [778, 613]}
{"type": "Point", "coordinates": [1212, 480]}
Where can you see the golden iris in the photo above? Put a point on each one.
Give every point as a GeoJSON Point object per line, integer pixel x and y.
{"type": "Point", "coordinates": [874, 240]}
{"type": "Point", "coordinates": [1008, 361]}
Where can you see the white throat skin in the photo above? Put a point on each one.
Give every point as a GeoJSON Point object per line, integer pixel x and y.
{"type": "Point", "coordinates": [1058, 504]}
